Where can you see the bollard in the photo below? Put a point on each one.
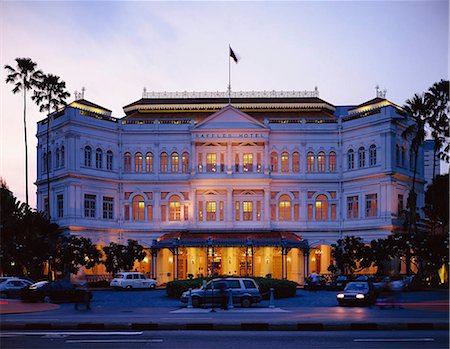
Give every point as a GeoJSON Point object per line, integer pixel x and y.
{"type": "Point", "coordinates": [230, 299]}
{"type": "Point", "coordinates": [271, 302]}
{"type": "Point", "coordinates": [190, 299]}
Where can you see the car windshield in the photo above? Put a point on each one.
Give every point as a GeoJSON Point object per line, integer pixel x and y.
{"type": "Point", "coordinates": [356, 287]}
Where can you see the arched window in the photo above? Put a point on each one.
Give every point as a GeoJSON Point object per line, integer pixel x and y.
{"type": "Point", "coordinates": [174, 208]}
{"type": "Point", "coordinates": [321, 208]}
{"type": "Point", "coordinates": [109, 160]}
{"type": "Point", "coordinates": [403, 157]}
{"type": "Point", "coordinates": [296, 161]}
{"type": "Point", "coordinates": [127, 162]}
{"type": "Point", "coordinates": [175, 162]}
{"type": "Point", "coordinates": [57, 158]}
{"type": "Point", "coordinates": [63, 157]}
{"type": "Point", "coordinates": [164, 162]}
{"type": "Point", "coordinates": [138, 162]}
{"type": "Point", "coordinates": [332, 160]}
{"type": "Point", "coordinates": [310, 161]}
{"type": "Point", "coordinates": [321, 161]}
{"type": "Point", "coordinates": [149, 162]}
{"type": "Point", "coordinates": [87, 156]}
{"type": "Point", "coordinates": [138, 208]}
{"type": "Point", "coordinates": [98, 158]}
{"type": "Point", "coordinates": [373, 155]}
{"type": "Point", "coordinates": [284, 162]}
{"type": "Point", "coordinates": [185, 162]}
{"type": "Point", "coordinates": [351, 159]}
{"type": "Point", "coordinates": [397, 155]}
{"type": "Point", "coordinates": [274, 162]}
{"type": "Point", "coordinates": [362, 157]}
{"type": "Point", "coordinates": [284, 208]}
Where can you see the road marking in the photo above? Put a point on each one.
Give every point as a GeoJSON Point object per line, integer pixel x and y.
{"type": "Point", "coordinates": [91, 333]}
{"type": "Point", "coordinates": [115, 341]}
{"type": "Point", "coordinates": [185, 318]}
{"type": "Point", "coordinates": [393, 340]}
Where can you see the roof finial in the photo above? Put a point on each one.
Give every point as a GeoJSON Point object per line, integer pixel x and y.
{"type": "Point", "coordinates": [380, 93]}
{"type": "Point", "coordinates": [316, 91]}
{"type": "Point", "coordinates": [82, 92]}
{"type": "Point", "coordinates": [144, 92]}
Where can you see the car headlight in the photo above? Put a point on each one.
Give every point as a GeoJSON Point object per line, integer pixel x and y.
{"type": "Point", "coordinates": [360, 296]}
{"type": "Point", "coordinates": [340, 295]}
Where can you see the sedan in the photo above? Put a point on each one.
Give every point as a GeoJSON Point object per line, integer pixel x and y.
{"type": "Point", "coordinates": [57, 291]}
{"type": "Point", "coordinates": [11, 288]}
{"type": "Point", "coordinates": [357, 293]}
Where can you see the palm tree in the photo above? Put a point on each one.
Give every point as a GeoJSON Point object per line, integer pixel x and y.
{"type": "Point", "coordinates": [24, 78]}
{"type": "Point", "coordinates": [51, 94]}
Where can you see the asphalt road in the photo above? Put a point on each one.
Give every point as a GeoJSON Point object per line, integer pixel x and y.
{"type": "Point", "coordinates": [225, 340]}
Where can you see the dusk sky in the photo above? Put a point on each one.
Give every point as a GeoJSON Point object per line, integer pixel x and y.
{"type": "Point", "coordinates": [115, 49]}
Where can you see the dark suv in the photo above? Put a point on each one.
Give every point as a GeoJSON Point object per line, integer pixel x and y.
{"type": "Point", "coordinates": [244, 291]}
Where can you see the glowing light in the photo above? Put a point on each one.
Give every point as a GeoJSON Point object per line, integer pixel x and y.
{"type": "Point", "coordinates": [340, 295]}
{"type": "Point", "coordinates": [145, 260]}
{"type": "Point", "coordinates": [170, 259]}
{"type": "Point", "coordinates": [360, 296]}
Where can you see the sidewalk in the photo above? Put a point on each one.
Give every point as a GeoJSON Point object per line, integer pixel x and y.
{"type": "Point", "coordinates": [13, 306]}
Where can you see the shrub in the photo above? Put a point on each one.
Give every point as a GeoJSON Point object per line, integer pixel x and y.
{"type": "Point", "coordinates": [100, 283]}
{"type": "Point", "coordinates": [175, 288]}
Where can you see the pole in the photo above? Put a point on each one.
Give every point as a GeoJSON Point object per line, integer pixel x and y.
{"type": "Point", "coordinates": [229, 74]}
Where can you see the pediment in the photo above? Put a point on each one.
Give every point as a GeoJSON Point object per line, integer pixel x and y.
{"type": "Point", "coordinates": [230, 118]}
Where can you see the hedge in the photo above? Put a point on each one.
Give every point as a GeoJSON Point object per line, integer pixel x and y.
{"type": "Point", "coordinates": [282, 288]}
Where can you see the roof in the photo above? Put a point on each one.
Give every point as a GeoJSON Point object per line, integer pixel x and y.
{"type": "Point", "coordinates": [89, 104]}
{"type": "Point", "coordinates": [370, 102]}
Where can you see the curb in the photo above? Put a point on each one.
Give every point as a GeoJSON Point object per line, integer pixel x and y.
{"type": "Point", "coordinates": [244, 326]}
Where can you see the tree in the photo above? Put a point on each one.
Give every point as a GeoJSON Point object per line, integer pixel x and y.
{"type": "Point", "coordinates": [348, 254]}
{"type": "Point", "coordinates": [121, 257]}
{"type": "Point", "coordinates": [437, 203]}
{"type": "Point", "coordinates": [24, 77]}
{"type": "Point", "coordinates": [51, 94]}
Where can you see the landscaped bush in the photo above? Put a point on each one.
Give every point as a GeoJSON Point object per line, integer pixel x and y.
{"type": "Point", "coordinates": [100, 283]}
{"type": "Point", "coordinates": [282, 288]}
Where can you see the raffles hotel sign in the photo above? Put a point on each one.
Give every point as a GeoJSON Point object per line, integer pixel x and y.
{"type": "Point", "coordinates": [225, 135]}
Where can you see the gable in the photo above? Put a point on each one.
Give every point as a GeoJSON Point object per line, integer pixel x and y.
{"type": "Point", "coordinates": [230, 118]}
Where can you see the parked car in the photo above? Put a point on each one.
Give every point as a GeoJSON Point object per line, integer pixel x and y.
{"type": "Point", "coordinates": [11, 287]}
{"type": "Point", "coordinates": [368, 278]}
{"type": "Point", "coordinates": [244, 291]}
{"type": "Point", "coordinates": [54, 292]}
{"type": "Point", "coordinates": [129, 280]}
{"type": "Point", "coordinates": [357, 293]}
{"type": "Point", "coordinates": [339, 282]}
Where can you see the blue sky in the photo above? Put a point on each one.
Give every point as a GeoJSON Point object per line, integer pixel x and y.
{"type": "Point", "coordinates": [114, 49]}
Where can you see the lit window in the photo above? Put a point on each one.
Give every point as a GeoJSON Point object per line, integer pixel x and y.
{"type": "Point", "coordinates": [211, 162]}
{"type": "Point", "coordinates": [258, 162]}
{"type": "Point", "coordinates": [87, 156]}
{"type": "Point", "coordinates": [175, 162]}
{"type": "Point", "coordinates": [149, 162]}
{"type": "Point", "coordinates": [321, 161]}
{"type": "Point", "coordinates": [321, 208]}
{"type": "Point", "coordinates": [89, 205]}
{"type": "Point", "coordinates": [296, 212]}
{"type": "Point", "coordinates": [332, 160]}
{"type": "Point", "coordinates": [200, 210]}
{"type": "Point", "coordinates": [200, 162]}
{"type": "Point", "coordinates": [60, 205]}
{"type": "Point", "coordinates": [362, 157]}
{"type": "Point", "coordinates": [310, 161]}
{"type": "Point", "coordinates": [236, 163]}
{"type": "Point", "coordinates": [284, 208]}
{"type": "Point", "coordinates": [109, 160]}
{"type": "Point", "coordinates": [211, 210]}
{"type": "Point", "coordinates": [108, 207]}
{"type": "Point", "coordinates": [174, 208]}
{"type": "Point", "coordinates": [310, 212]}
{"type": "Point", "coordinates": [149, 212]}
{"type": "Point", "coordinates": [247, 207]}
{"type": "Point", "coordinates": [248, 162]}
{"type": "Point", "coordinates": [351, 159]}
{"type": "Point", "coordinates": [296, 162]}
{"type": "Point", "coordinates": [127, 162]}
{"type": "Point", "coordinates": [163, 212]}
{"type": "Point", "coordinates": [138, 208]}
{"type": "Point", "coordinates": [352, 207]}
{"type": "Point", "coordinates": [164, 162]}
{"type": "Point", "coordinates": [126, 211]}
{"type": "Point", "coordinates": [222, 162]}
{"type": "Point", "coordinates": [333, 211]}
{"type": "Point", "coordinates": [274, 162]}
{"type": "Point", "coordinates": [284, 162]}
{"type": "Point", "coordinates": [371, 205]}
{"type": "Point", "coordinates": [237, 207]}
{"type": "Point", "coordinates": [98, 158]}
{"type": "Point", "coordinates": [373, 155]}
{"type": "Point", "coordinates": [138, 162]}
{"type": "Point", "coordinates": [186, 212]}
{"type": "Point", "coordinates": [185, 162]}
{"type": "Point", "coordinates": [258, 210]}
{"type": "Point", "coordinates": [221, 210]}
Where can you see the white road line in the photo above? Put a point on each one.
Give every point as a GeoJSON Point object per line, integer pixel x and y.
{"type": "Point", "coordinates": [393, 340]}
{"type": "Point", "coordinates": [115, 341]}
{"type": "Point", "coordinates": [84, 333]}
{"type": "Point", "coordinates": [185, 318]}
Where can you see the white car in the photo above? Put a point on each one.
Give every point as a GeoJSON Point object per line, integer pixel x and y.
{"type": "Point", "coordinates": [130, 280]}
{"type": "Point", "coordinates": [10, 288]}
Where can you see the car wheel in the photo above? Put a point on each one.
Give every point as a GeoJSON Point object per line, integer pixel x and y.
{"type": "Point", "coordinates": [196, 302]}
{"type": "Point", "coordinates": [246, 302]}
{"type": "Point", "coordinates": [3, 295]}
{"type": "Point", "coordinates": [46, 299]}
{"type": "Point", "coordinates": [129, 287]}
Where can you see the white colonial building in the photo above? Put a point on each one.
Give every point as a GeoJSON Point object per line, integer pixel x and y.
{"type": "Point", "coordinates": [262, 185]}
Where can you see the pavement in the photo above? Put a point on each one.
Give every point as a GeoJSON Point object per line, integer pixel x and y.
{"type": "Point", "coordinates": [422, 314]}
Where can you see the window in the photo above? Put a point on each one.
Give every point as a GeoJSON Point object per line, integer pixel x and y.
{"type": "Point", "coordinates": [221, 210]}
{"type": "Point", "coordinates": [163, 213]}
{"type": "Point", "coordinates": [87, 156]}
{"type": "Point", "coordinates": [175, 208]}
{"type": "Point", "coordinates": [211, 210]}
{"type": "Point", "coordinates": [321, 207]}
{"type": "Point", "coordinates": [371, 205]}
{"type": "Point", "coordinates": [60, 205]}
{"type": "Point", "coordinates": [164, 162]}
{"type": "Point", "coordinates": [237, 211]}
{"type": "Point", "coordinates": [273, 162]}
{"type": "Point", "coordinates": [352, 207]}
{"type": "Point", "coordinates": [185, 162]}
{"type": "Point", "coordinates": [211, 162]}
{"type": "Point", "coordinates": [284, 208]}
{"type": "Point", "coordinates": [296, 162]}
{"type": "Point", "coordinates": [200, 162]}
{"type": "Point", "coordinates": [126, 212]}
{"type": "Point", "coordinates": [186, 212]}
{"type": "Point", "coordinates": [400, 204]}
{"type": "Point", "coordinates": [175, 162]}
{"type": "Point", "coordinates": [127, 162]}
{"type": "Point", "coordinates": [138, 162]}
{"type": "Point", "coordinates": [397, 155]}
{"type": "Point", "coordinates": [108, 207]}
{"type": "Point", "coordinates": [200, 210]}
{"type": "Point", "coordinates": [247, 208]}
{"type": "Point", "coordinates": [98, 158]}
{"type": "Point", "coordinates": [149, 162]}
{"type": "Point", "coordinates": [57, 158]}
{"type": "Point", "coordinates": [138, 208]}
{"type": "Point", "coordinates": [249, 284]}
{"type": "Point", "coordinates": [109, 160]}
{"type": "Point", "coordinates": [403, 157]}
{"type": "Point", "coordinates": [310, 161]}
{"type": "Point", "coordinates": [149, 212]}
{"type": "Point", "coordinates": [321, 161]}
{"type": "Point", "coordinates": [333, 211]}
{"type": "Point", "coordinates": [332, 160]}
{"type": "Point", "coordinates": [351, 159]}
{"type": "Point", "coordinates": [296, 212]}
{"type": "Point", "coordinates": [373, 155]}
{"type": "Point", "coordinates": [258, 162]}
{"type": "Point", "coordinates": [89, 205]}
{"type": "Point", "coordinates": [236, 163]}
{"type": "Point", "coordinates": [362, 157]}
{"type": "Point", "coordinates": [284, 162]}
{"type": "Point", "coordinates": [248, 162]}
{"type": "Point", "coordinates": [63, 156]}
{"type": "Point", "coordinates": [222, 162]}
{"type": "Point", "coordinates": [310, 212]}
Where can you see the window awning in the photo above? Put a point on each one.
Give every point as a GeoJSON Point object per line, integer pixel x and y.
{"type": "Point", "coordinates": [230, 239]}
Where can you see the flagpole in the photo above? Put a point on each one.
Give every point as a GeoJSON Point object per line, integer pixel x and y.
{"type": "Point", "coordinates": [229, 75]}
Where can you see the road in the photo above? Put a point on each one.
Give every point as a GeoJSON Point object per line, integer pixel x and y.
{"type": "Point", "coordinates": [225, 340]}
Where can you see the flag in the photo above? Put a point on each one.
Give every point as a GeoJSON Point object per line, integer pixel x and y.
{"type": "Point", "coordinates": [234, 55]}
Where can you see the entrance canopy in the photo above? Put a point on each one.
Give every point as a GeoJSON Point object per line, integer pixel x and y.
{"type": "Point", "coordinates": [230, 239]}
